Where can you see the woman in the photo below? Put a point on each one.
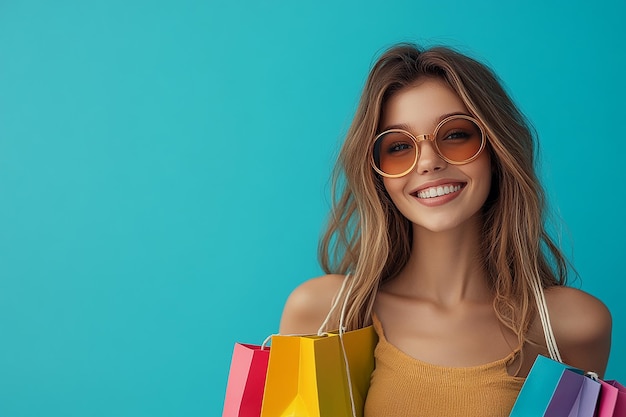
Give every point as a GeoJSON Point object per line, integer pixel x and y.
{"type": "Point", "coordinates": [438, 219]}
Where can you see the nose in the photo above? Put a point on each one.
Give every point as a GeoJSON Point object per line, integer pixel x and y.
{"type": "Point", "coordinates": [429, 160]}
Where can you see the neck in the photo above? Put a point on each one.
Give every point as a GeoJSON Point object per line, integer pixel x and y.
{"type": "Point", "coordinates": [445, 267]}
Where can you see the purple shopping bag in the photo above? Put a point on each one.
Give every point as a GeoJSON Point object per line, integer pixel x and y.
{"type": "Point", "coordinates": [246, 381]}
{"type": "Point", "coordinates": [553, 389]}
{"type": "Point", "coordinates": [576, 393]}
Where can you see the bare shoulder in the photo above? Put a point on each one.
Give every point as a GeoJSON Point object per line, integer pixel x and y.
{"type": "Point", "coordinates": [577, 315]}
{"type": "Point", "coordinates": [309, 304]}
{"type": "Point", "coordinates": [582, 327]}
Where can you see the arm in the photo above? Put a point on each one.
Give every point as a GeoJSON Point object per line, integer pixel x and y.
{"type": "Point", "coordinates": [582, 328]}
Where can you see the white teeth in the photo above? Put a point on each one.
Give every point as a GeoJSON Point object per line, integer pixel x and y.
{"type": "Point", "coordinates": [438, 191]}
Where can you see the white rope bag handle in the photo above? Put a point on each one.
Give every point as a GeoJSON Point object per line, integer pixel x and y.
{"type": "Point", "coordinates": [542, 308]}
{"type": "Point", "coordinates": [341, 332]}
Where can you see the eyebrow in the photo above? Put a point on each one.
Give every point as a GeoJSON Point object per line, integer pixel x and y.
{"type": "Point", "coordinates": [404, 126]}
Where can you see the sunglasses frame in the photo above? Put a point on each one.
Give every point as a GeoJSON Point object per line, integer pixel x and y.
{"type": "Point", "coordinates": [420, 138]}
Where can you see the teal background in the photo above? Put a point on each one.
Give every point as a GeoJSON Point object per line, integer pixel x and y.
{"type": "Point", "coordinates": [164, 174]}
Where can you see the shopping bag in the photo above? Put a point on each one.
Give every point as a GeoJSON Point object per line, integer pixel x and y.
{"type": "Point", "coordinates": [307, 376]}
{"type": "Point", "coordinates": [553, 389]}
{"type": "Point", "coordinates": [246, 381]}
{"type": "Point", "coordinates": [612, 402]}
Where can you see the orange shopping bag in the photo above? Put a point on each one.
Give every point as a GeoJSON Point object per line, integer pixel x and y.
{"type": "Point", "coordinates": [324, 375]}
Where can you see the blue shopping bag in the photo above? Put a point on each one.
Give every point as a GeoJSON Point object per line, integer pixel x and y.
{"type": "Point", "coordinates": [553, 389]}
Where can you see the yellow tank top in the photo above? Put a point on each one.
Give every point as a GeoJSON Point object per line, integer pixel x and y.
{"type": "Point", "coordinates": [404, 386]}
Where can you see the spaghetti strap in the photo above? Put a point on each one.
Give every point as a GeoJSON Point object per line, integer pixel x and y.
{"type": "Point", "coordinates": [382, 340]}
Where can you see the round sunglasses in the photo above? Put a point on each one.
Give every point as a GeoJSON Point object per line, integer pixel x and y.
{"type": "Point", "coordinates": [457, 139]}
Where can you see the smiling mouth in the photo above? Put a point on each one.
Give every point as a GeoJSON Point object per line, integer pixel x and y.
{"type": "Point", "coordinates": [438, 191]}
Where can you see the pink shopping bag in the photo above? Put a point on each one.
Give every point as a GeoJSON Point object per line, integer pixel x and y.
{"type": "Point", "coordinates": [246, 381]}
{"type": "Point", "coordinates": [612, 402]}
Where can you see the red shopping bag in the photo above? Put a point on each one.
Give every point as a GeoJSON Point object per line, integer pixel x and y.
{"type": "Point", "coordinates": [246, 381]}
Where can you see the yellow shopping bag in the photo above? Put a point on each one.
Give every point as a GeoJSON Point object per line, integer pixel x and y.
{"type": "Point", "coordinates": [307, 376]}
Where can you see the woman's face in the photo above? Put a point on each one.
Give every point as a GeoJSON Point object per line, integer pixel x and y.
{"type": "Point", "coordinates": [435, 195]}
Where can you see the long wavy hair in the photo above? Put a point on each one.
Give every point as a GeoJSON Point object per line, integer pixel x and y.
{"type": "Point", "coordinates": [369, 238]}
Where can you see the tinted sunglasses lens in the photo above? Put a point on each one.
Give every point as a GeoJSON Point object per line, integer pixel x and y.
{"type": "Point", "coordinates": [394, 153]}
{"type": "Point", "coordinates": [459, 139]}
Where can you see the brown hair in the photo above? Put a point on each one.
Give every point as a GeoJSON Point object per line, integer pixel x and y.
{"type": "Point", "coordinates": [369, 238]}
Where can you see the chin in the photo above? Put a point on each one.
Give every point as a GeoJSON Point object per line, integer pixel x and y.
{"type": "Point", "coordinates": [448, 224]}
{"type": "Point", "coordinates": [436, 228]}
